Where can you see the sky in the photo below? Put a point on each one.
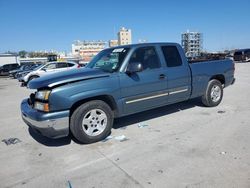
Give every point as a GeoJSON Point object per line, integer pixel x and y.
{"type": "Point", "coordinates": [34, 25]}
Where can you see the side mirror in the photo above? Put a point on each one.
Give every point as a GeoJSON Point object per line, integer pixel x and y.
{"type": "Point", "coordinates": [134, 67]}
{"type": "Point", "coordinates": [44, 69]}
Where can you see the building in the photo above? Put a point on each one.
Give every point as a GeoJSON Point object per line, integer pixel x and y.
{"type": "Point", "coordinates": [192, 43]}
{"type": "Point", "coordinates": [87, 49]}
{"type": "Point", "coordinates": [124, 36]}
{"type": "Point", "coordinates": [9, 59]}
{"type": "Point", "coordinates": [113, 43]}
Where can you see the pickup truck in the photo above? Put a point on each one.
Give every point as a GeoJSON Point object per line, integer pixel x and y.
{"type": "Point", "coordinates": [117, 82]}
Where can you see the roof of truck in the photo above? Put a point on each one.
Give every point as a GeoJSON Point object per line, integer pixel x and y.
{"type": "Point", "coordinates": [146, 44]}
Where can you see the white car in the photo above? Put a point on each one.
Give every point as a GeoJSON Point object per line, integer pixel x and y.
{"type": "Point", "coordinates": [48, 68]}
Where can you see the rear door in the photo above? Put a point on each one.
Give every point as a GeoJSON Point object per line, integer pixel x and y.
{"type": "Point", "coordinates": [177, 73]}
{"type": "Point", "coordinates": [143, 90]}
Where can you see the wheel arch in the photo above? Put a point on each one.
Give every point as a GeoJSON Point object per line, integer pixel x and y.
{"type": "Point", "coordinates": [219, 77]}
{"type": "Point", "coordinates": [105, 98]}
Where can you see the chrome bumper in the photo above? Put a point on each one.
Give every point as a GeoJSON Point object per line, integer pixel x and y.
{"type": "Point", "coordinates": [52, 125]}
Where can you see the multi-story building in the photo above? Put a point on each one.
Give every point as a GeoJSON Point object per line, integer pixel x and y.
{"type": "Point", "coordinates": [113, 43]}
{"type": "Point", "coordinates": [124, 36]}
{"type": "Point", "coordinates": [192, 43]}
{"type": "Point", "coordinates": [87, 49]}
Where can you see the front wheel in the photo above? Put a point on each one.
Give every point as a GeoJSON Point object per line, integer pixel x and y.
{"type": "Point", "coordinates": [91, 122]}
{"type": "Point", "coordinates": [213, 94]}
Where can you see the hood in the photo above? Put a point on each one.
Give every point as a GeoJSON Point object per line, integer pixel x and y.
{"type": "Point", "coordinates": [64, 77]}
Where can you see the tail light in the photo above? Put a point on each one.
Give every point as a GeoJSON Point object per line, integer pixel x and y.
{"type": "Point", "coordinates": [78, 66]}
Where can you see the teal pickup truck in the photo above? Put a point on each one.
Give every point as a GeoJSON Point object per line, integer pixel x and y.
{"type": "Point", "coordinates": [121, 81]}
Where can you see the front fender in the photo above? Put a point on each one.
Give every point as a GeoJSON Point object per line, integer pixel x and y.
{"type": "Point", "coordinates": [63, 98]}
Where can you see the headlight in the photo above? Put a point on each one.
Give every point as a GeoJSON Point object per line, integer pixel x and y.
{"type": "Point", "coordinates": [41, 106]}
{"type": "Point", "coordinates": [43, 95]}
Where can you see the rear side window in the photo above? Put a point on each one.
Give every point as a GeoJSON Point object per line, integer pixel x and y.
{"type": "Point", "coordinates": [247, 52]}
{"type": "Point", "coordinates": [6, 66]}
{"type": "Point", "coordinates": [172, 56]}
{"type": "Point", "coordinates": [70, 64]}
{"type": "Point", "coordinates": [238, 53]}
{"type": "Point", "coordinates": [15, 65]}
{"type": "Point", "coordinates": [62, 65]}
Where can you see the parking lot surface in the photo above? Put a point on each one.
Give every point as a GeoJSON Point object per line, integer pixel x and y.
{"type": "Point", "coordinates": [181, 145]}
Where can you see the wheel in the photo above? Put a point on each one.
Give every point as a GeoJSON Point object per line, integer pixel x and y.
{"type": "Point", "coordinates": [213, 94]}
{"type": "Point", "coordinates": [91, 122]}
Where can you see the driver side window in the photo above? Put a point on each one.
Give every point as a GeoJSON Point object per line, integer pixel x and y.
{"type": "Point", "coordinates": [147, 57]}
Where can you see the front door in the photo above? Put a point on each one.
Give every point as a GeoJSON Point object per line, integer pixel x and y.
{"type": "Point", "coordinates": [49, 68]}
{"type": "Point", "coordinates": [143, 90]}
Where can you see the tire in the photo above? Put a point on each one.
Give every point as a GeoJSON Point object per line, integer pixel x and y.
{"type": "Point", "coordinates": [213, 94]}
{"type": "Point", "coordinates": [91, 122]}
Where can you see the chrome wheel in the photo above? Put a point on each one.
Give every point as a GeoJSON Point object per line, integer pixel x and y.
{"type": "Point", "coordinates": [215, 93]}
{"type": "Point", "coordinates": [94, 122]}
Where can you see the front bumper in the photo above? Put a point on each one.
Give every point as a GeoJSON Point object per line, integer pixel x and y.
{"type": "Point", "coordinates": [52, 125]}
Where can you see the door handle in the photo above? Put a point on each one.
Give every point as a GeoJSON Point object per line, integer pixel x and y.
{"type": "Point", "coordinates": [162, 76]}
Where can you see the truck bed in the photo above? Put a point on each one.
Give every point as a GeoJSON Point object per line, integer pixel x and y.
{"type": "Point", "coordinates": [204, 71]}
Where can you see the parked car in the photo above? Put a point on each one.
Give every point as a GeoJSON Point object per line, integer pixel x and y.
{"type": "Point", "coordinates": [21, 74]}
{"type": "Point", "coordinates": [46, 69]}
{"type": "Point", "coordinates": [13, 73]}
{"type": "Point", "coordinates": [4, 70]}
{"type": "Point", "coordinates": [117, 82]}
{"type": "Point", "coordinates": [242, 55]}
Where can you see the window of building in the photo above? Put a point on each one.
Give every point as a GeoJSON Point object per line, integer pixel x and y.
{"type": "Point", "coordinates": [147, 57]}
{"type": "Point", "coordinates": [172, 56]}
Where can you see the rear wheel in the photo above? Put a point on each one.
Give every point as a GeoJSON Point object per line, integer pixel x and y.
{"type": "Point", "coordinates": [91, 122]}
{"type": "Point", "coordinates": [213, 94]}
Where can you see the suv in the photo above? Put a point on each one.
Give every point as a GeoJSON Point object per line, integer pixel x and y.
{"type": "Point", "coordinates": [4, 70]}
{"type": "Point", "coordinates": [242, 55]}
{"type": "Point", "coordinates": [48, 68]}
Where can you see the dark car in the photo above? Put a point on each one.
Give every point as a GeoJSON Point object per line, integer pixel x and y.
{"type": "Point", "coordinates": [4, 70]}
{"type": "Point", "coordinates": [14, 72]}
{"type": "Point", "coordinates": [242, 55]}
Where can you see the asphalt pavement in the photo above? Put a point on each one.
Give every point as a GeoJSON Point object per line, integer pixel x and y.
{"type": "Point", "coordinates": [182, 145]}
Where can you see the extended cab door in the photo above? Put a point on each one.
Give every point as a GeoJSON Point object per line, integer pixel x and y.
{"type": "Point", "coordinates": [177, 73]}
{"type": "Point", "coordinates": [143, 90]}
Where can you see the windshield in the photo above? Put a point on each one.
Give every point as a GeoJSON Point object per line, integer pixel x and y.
{"type": "Point", "coordinates": [37, 67]}
{"type": "Point", "coordinates": [109, 60]}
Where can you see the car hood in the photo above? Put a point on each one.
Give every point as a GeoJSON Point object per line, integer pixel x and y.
{"type": "Point", "coordinates": [12, 71]}
{"type": "Point", "coordinates": [64, 77]}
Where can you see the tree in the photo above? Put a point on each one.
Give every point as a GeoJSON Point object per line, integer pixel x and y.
{"type": "Point", "coordinates": [22, 53]}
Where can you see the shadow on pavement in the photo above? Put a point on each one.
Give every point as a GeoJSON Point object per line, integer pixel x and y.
{"type": "Point", "coordinates": [154, 113]}
{"type": "Point", "coordinates": [122, 122]}
{"type": "Point", "coordinates": [49, 141]}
